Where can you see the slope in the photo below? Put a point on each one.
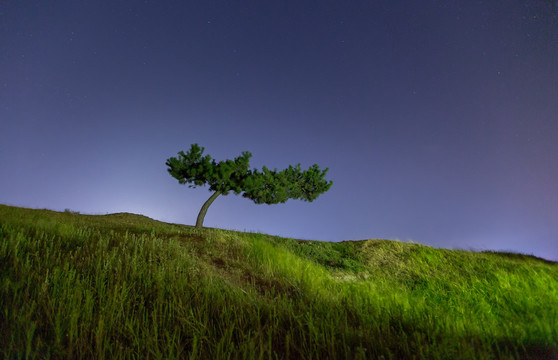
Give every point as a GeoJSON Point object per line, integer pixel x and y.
{"type": "Point", "coordinates": [127, 286]}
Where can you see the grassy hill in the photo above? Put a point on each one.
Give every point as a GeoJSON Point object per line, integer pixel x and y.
{"type": "Point", "coordinates": [124, 286]}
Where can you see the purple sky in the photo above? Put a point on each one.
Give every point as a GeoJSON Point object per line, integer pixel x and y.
{"type": "Point", "coordinates": [438, 120]}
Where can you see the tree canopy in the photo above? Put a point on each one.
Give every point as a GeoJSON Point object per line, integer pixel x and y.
{"type": "Point", "coordinates": [262, 187]}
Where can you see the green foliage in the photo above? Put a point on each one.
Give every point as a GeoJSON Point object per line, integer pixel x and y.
{"type": "Point", "coordinates": [198, 170]}
{"type": "Point", "coordinates": [123, 286]}
{"type": "Point", "coordinates": [262, 187]}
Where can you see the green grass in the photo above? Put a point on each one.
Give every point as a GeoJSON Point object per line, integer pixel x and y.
{"type": "Point", "coordinates": [124, 286]}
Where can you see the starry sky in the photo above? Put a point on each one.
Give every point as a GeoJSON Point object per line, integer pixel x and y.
{"type": "Point", "coordinates": [438, 120]}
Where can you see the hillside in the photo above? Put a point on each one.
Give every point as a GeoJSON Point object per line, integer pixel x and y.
{"type": "Point", "coordinates": [126, 286]}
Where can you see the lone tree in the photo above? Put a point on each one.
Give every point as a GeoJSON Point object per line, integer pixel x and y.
{"type": "Point", "coordinates": [265, 187]}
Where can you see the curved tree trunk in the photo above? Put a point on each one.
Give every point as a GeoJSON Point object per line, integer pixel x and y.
{"type": "Point", "coordinates": [201, 215]}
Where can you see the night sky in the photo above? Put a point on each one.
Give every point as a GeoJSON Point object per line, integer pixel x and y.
{"type": "Point", "coordinates": [438, 120]}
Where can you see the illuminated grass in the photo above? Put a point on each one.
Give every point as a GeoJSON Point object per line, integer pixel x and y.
{"type": "Point", "coordinates": [126, 286]}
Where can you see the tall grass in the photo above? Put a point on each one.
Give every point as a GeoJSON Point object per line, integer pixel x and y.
{"type": "Point", "coordinates": [124, 286]}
